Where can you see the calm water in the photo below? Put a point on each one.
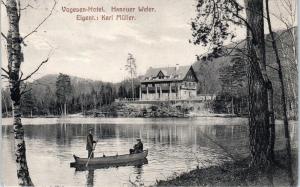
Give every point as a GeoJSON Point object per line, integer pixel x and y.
{"type": "Point", "coordinates": [175, 146]}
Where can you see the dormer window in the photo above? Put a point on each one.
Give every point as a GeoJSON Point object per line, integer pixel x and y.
{"type": "Point", "coordinates": [160, 75]}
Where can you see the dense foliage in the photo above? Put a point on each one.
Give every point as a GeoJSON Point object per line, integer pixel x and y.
{"type": "Point", "coordinates": [80, 95]}
{"type": "Point", "coordinates": [216, 75]}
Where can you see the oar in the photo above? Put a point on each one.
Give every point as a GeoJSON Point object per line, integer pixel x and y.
{"type": "Point", "coordinates": [87, 163]}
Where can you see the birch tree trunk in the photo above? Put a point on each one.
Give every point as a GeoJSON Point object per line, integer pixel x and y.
{"type": "Point", "coordinates": [14, 61]}
{"type": "Point", "coordinates": [259, 129]}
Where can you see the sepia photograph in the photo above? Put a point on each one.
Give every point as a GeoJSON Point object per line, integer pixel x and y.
{"type": "Point", "coordinates": [130, 93]}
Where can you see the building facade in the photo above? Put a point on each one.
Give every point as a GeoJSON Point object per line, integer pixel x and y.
{"type": "Point", "coordinates": [169, 83]}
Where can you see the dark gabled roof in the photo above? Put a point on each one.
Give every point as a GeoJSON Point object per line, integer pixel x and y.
{"type": "Point", "coordinates": [170, 72]}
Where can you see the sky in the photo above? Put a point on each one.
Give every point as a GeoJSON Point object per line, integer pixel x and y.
{"type": "Point", "coordinates": [98, 49]}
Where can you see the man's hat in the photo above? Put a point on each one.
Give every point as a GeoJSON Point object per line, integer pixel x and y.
{"type": "Point", "coordinates": [91, 129]}
{"type": "Point", "coordinates": [138, 139]}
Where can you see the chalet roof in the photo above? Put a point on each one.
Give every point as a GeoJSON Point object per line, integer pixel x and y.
{"type": "Point", "coordinates": [170, 72]}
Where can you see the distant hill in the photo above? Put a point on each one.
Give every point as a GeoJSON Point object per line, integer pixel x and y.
{"type": "Point", "coordinates": [48, 82]}
{"type": "Point", "coordinates": [208, 70]}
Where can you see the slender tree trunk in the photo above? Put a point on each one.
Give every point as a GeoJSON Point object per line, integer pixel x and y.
{"type": "Point", "coordinates": [65, 109]}
{"type": "Point", "coordinates": [62, 110]}
{"type": "Point", "coordinates": [283, 99]}
{"type": "Point", "coordinates": [12, 111]}
{"type": "Point", "coordinates": [291, 65]}
{"type": "Point", "coordinates": [259, 132]}
{"type": "Point", "coordinates": [95, 105]}
{"type": "Point", "coordinates": [290, 94]}
{"type": "Point", "coordinates": [132, 89]}
{"type": "Point", "coordinates": [232, 106]}
{"type": "Point", "coordinates": [82, 108]}
{"type": "Point", "coordinates": [14, 62]}
{"type": "Point", "coordinates": [5, 104]}
{"type": "Point", "coordinates": [271, 121]}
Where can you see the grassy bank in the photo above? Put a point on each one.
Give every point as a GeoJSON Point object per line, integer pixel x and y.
{"type": "Point", "coordinates": [236, 174]}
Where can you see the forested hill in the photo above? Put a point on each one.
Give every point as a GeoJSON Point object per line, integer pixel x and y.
{"type": "Point", "coordinates": [208, 71]}
{"type": "Point", "coordinates": [79, 85]}
{"type": "Point", "coordinates": [82, 95]}
{"type": "Point", "coordinates": [217, 75]}
{"type": "Point", "coordinates": [208, 68]}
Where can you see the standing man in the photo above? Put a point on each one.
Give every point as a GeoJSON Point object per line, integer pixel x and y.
{"type": "Point", "coordinates": [90, 144]}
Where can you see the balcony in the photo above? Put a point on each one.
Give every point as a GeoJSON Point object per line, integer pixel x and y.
{"type": "Point", "coordinates": [163, 89]}
{"type": "Point", "coordinates": [184, 87]}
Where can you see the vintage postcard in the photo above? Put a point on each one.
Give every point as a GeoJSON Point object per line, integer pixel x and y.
{"type": "Point", "coordinates": [149, 93]}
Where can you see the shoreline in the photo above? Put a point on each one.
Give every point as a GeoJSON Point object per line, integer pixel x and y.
{"type": "Point", "coordinates": [236, 173]}
{"type": "Point", "coordinates": [122, 120]}
{"type": "Point", "coordinates": [200, 120]}
{"type": "Point", "coordinates": [91, 116]}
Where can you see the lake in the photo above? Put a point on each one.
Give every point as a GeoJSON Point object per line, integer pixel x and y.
{"type": "Point", "coordinates": [175, 146]}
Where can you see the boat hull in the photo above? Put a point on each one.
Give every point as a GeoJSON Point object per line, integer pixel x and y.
{"type": "Point", "coordinates": [111, 160]}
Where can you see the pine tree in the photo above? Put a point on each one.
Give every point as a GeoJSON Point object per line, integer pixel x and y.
{"type": "Point", "coordinates": [63, 92]}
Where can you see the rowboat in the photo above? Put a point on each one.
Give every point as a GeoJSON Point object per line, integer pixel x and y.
{"type": "Point", "coordinates": [137, 163]}
{"type": "Point", "coordinates": [110, 160]}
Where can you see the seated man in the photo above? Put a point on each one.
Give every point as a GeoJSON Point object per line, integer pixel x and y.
{"type": "Point", "coordinates": [137, 148]}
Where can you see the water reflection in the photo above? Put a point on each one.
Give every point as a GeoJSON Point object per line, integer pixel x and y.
{"type": "Point", "coordinates": [90, 178]}
{"type": "Point", "coordinates": [173, 147]}
{"type": "Point", "coordinates": [233, 138]}
{"type": "Point", "coordinates": [138, 170]}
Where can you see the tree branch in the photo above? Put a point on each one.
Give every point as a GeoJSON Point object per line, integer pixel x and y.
{"type": "Point", "coordinates": [3, 3]}
{"type": "Point", "coordinates": [25, 91]}
{"type": "Point", "coordinates": [272, 67]}
{"type": "Point", "coordinates": [45, 61]}
{"type": "Point", "coordinates": [28, 5]}
{"type": "Point", "coordinates": [5, 76]}
{"type": "Point", "coordinates": [21, 75]}
{"type": "Point", "coordinates": [35, 30]}
{"type": "Point", "coordinates": [41, 64]}
{"type": "Point", "coordinates": [3, 35]}
{"type": "Point", "coordinates": [234, 47]}
{"type": "Point", "coordinates": [244, 20]}
{"type": "Point", "coordinates": [5, 71]}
